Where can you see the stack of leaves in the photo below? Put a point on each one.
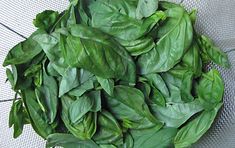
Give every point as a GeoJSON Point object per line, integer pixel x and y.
{"type": "Point", "coordinates": [116, 74]}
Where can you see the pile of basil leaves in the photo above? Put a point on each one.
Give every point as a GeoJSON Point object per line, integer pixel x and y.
{"type": "Point", "coordinates": [116, 74]}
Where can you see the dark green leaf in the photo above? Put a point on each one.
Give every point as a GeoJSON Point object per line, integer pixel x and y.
{"type": "Point", "coordinates": [49, 94]}
{"type": "Point", "coordinates": [146, 8]}
{"type": "Point", "coordinates": [156, 81]}
{"type": "Point", "coordinates": [128, 105]}
{"type": "Point", "coordinates": [212, 52]}
{"type": "Point", "coordinates": [23, 52]}
{"type": "Point", "coordinates": [145, 88]}
{"type": "Point", "coordinates": [210, 89]}
{"type": "Point", "coordinates": [192, 59]}
{"type": "Point", "coordinates": [84, 128]}
{"type": "Point", "coordinates": [38, 118]}
{"type": "Point", "coordinates": [193, 131]}
{"type": "Point", "coordinates": [98, 53]}
{"type": "Point", "coordinates": [106, 84]}
{"type": "Point", "coordinates": [175, 38]}
{"type": "Point", "coordinates": [12, 76]}
{"type": "Point", "coordinates": [68, 141]}
{"type": "Point", "coordinates": [179, 82]}
{"type": "Point", "coordinates": [109, 129]}
{"type": "Point", "coordinates": [46, 19]}
{"type": "Point", "coordinates": [16, 117]}
{"type": "Point", "coordinates": [128, 141]}
{"type": "Point", "coordinates": [79, 108]}
{"type": "Point", "coordinates": [175, 114]}
{"type": "Point", "coordinates": [95, 97]}
{"type": "Point", "coordinates": [156, 97]}
{"type": "Point", "coordinates": [152, 138]}
{"type": "Point", "coordinates": [119, 19]}
{"type": "Point", "coordinates": [81, 89]}
{"type": "Point", "coordinates": [139, 46]}
{"type": "Point", "coordinates": [69, 81]}
{"type": "Point", "coordinates": [86, 80]}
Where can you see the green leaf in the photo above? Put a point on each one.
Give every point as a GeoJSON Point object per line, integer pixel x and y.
{"type": "Point", "coordinates": [38, 119]}
{"type": "Point", "coordinates": [69, 81]}
{"type": "Point", "coordinates": [212, 52]}
{"type": "Point", "coordinates": [81, 89]}
{"type": "Point", "coordinates": [49, 94]}
{"type": "Point", "coordinates": [20, 81]}
{"type": "Point", "coordinates": [193, 16]}
{"type": "Point", "coordinates": [145, 88]}
{"type": "Point", "coordinates": [179, 83]}
{"type": "Point", "coordinates": [95, 97]}
{"type": "Point", "coordinates": [12, 76]}
{"type": "Point", "coordinates": [193, 131]}
{"type": "Point", "coordinates": [119, 19]}
{"type": "Point", "coordinates": [107, 146]}
{"type": "Point", "coordinates": [153, 138]}
{"type": "Point", "coordinates": [86, 80]}
{"type": "Point", "coordinates": [107, 85]}
{"type": "Point", "coordinates": [109, 129]}
{"type": "Point", "coordinates": [139, 46]}
{"type": "Point", "coordinates": [210, 89]}
{"type": "Point", "coordinates": [175, 35]}
{"type": "Point", "coordinates": [79, 108]}
{"type": "Point", "coordinates": [128, 105]}
{"type": "Point", "coordinates": [156, 81]}
{"type": "Point", "coordinates": [128, 141]}
{"type": "Point", "coordinates": [68, 141]}
{"type": "Point", "coordinates": [17, 118]}
{"type": "Point", "coordinates": [23, 52]}
{"type": "Point", "coordinates": [176, 114]}
{"type": "Point", "coordinates": [97, 52]}
{"type": "Point", "coordinates": [85, 128]}
{"type": "Point", "coordinates": [146, 8]}
{"type": "Point", "coordinates": [46, 19]}
{"type": "Point", "coordinates": [156, 97]}
{"type": "Point", "coordinates": [31, 71]}
{"type": "Point", "coordinates": [192, 59]}
{"type": "Point", "coordinates": [50, 45]}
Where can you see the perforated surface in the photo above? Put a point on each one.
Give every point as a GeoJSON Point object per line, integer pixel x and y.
{"type": "Point", "coordinates": [215, 19]}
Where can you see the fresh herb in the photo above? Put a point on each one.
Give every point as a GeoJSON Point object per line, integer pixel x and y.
{"type": "Point", "coordinates": [116, 74]}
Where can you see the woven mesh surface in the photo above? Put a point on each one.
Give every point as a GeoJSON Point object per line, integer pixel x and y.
{"type": "Point", "coordinates": [215, 19]}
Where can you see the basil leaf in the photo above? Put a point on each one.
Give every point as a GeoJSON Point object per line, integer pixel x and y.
{"type": "Point", "coordinates": [85, 128]}
{"type": "Point", "coordinates": [152, 137]}
{"type": "Point", "coordinates": [17, 117]}
{"type": "Point", "coordinates": [68, 141]}
{"type": "Point", "coordinates": [46, 19]}
{"type": "Point", "coordinates": [176, 114]}
{"type": "Point", "coordinates": [119, 19]}
{"type": "Point", "coordinates": [79, 108]}
{"type": "Point", "coordinates": [179, 82]}
{"type": "Point", "coordinates": [193, 131]}
{"type": "Point", "coordinates": [128, 104]}
{"type": "Point", "coordinates": [89, 48]}
{"type": "Point", "coordinates": [212, 52]}
{"type": "Point", "coordinates": [175, 38]}
{"type": "Point", "coordinates": [146, 8]}
{"type": "Point", "coordinates": [157, 81]}
{"type": "Point", "coordinates": [23, 52]}
{"type": "Point", "coordinates": [139, 46]}
{"type": "Point", "coordinates": [210, 89]}
{"type": "Point", "coordinates": [69, 81]}
{"type": "Point", "coordinates": [107, 85]}
{"type": "Point", "coordinates": [38, 119]}
{"type": "Point", "coordinates": [192, 59]}
{"type": "Point", "coordinates": [109, 129]}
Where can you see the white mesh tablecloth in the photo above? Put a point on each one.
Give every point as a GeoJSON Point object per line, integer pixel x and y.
{"type": "Point", "coordinates": [216, 18]}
